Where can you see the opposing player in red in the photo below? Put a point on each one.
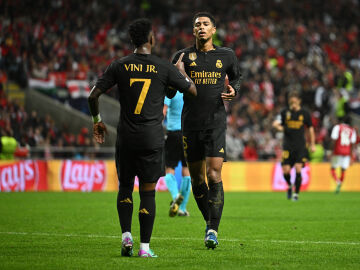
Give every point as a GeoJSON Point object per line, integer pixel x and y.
{"type": "Point", "coordinates": [344, 138]}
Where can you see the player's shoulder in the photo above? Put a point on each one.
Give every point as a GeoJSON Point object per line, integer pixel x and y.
{"type": "Point", "coordinates": [161, 62]}
{"type": "Point", "coordinates": [186, 50]}
{"type": "Point", "coordinates": [225, 49]}
{"type": "Point", "coordinates": [121, 60]}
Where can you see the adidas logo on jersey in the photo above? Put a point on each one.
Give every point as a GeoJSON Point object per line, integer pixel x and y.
{"type": "Point", "coordinates": [221, 150]}
{"type": "Point", "coordinates": [193, 64]}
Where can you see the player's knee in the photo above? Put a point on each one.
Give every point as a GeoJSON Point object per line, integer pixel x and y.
{"type": "Point", "coordinates": [213, 175]}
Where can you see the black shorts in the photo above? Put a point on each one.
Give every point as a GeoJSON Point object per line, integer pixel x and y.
{"type": "Point", "coordinates": [199, 144]}
{"type": "Point", "coordinates": [147, 164]}
{"type": "Point", "coordinates": [292, 156]}
{"type": "Point", "coordinates": [174, 151]}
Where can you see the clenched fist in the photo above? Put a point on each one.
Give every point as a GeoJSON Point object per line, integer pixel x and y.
{"type": "Point", "coordinates": [99, 130]}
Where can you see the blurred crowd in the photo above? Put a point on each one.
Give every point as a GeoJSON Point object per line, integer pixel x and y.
{"type": "Point", "coordinates": [35, 135]}
{"type": "Point", "coordinates": [309, 45]}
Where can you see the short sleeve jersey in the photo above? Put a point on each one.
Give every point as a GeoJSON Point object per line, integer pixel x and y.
{"type": "Point", "coordinates": [208, 71]}
{"type": "Point", "coordinates": [344, 136]}
{"type": "Point", "coordinates": [142, 80]}
{"type": "Point", "coordinates": [294, 123]}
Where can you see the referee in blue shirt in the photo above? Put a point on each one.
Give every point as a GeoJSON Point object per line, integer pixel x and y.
{"type": "Point", "coordinates": [173, 154]}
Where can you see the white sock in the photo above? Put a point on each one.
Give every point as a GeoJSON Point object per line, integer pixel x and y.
{"type": "Point", "coordinates": [126, 234]}
{"type": "Point", "coordinates": [145, 246]}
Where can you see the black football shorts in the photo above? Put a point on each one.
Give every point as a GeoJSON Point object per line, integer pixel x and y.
{"type": "Point", "coordinates": [292, 156]}
{"type": "Point", "coordinates": [174, 151]}
{"type": "Point", "coordinates": [147, 164]}
{"type": "Point", "coordinates": [204, 143]}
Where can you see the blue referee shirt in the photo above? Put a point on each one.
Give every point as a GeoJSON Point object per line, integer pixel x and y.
{"type": "Point", "coordinates": [174, 110]}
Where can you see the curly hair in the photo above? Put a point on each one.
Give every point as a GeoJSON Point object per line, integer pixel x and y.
{"type": "Point", "coordinates": [204, 14]}
{"type": "Point", "coordinates": [139, 31]}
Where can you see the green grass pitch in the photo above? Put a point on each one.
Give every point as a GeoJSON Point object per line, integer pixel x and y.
{"type": "Point", "coordinates": [257, 231]}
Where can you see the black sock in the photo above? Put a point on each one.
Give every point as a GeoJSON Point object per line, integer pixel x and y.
{"type": "Point", "coordinates": [298, 180]}
{"type": "Point", "coordinates": [201, 197]}
{"type": "Point", "coordinates": [287, 179]}
{"type": "Point", "coordinates": [125, 208]}
{"type": "Point", "coordinates": [216, 204]}
{"type": "Point", "coordinates": [147, 211]}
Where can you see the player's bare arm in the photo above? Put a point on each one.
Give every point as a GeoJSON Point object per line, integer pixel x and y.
{"type": "Point", "coordinates": [312, 139]}
{"type": "Point", "coordinates": [99, 128]}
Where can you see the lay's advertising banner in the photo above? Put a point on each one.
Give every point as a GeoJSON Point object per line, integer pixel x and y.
{"type": "Point", "coordinates": [89, 176]}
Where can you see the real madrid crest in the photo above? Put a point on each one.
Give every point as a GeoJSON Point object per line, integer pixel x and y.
{"type": "Point", "coordinates": [218, 64]}
{"type": "Point", "coordinates": [192, 56]}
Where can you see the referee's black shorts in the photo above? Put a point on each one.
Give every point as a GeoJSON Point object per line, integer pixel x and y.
{"type": "Point", "coordinates": [199, 144]}
{"type": "Point", "coordinates": [174, 151]}
{"type": "Point", "coordinates": [146, 164]}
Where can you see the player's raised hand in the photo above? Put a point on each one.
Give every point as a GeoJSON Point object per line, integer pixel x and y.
{"type": "Point", "coordinates": [230, 94]}
{"type": "Point", "coordinates": [99, 132]}
{"type": "Point", "coordinates": [180, 64]}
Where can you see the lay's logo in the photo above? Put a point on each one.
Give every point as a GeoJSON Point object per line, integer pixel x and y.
{"type": "Point", "coordinates": [83, 175]}
{"type": "Point", "coordinates": [19, 176]}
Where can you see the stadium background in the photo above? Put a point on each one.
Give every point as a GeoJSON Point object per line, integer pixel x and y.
{"type": "Point", "coordinates": [51, 53]}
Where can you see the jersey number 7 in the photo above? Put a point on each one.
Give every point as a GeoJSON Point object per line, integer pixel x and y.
{"type": "Point", "coordinates": [143, 93]}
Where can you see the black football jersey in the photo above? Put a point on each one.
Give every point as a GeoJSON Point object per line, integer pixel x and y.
{"type": "Point", "coordinates": [208, 71]}
{"type": "Point", "coordinates": [142, 80]}
{"type": "Point", "coordinates": [294, 123]}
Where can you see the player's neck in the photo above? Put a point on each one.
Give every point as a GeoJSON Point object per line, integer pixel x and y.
{"type": "Point", "coordinates": [143, 49]}
{"type": "Point", "coordinates": [204, 46]}
{"type": "Point", "coordinates": [296, 109]}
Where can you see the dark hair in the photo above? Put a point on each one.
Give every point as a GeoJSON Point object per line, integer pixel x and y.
{"type": "Point", "coordinates": [345, 119]}
{"type": "Point", "coordinates": [139, 31]}
{"type": "Point", "coordinates": [204, 14]}
{"type": "Point", "coordinates": [294, 93]}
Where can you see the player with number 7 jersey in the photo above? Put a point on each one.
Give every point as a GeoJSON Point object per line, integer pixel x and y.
{"type": "Point", "coordinates": [143, 80]}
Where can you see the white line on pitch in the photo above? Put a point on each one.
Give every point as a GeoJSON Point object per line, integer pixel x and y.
{"type": "Point", "coordinates": [181, 238]}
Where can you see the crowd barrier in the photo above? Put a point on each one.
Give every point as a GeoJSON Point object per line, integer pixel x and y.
{"type": "Point", "coordinates": [74, 175]}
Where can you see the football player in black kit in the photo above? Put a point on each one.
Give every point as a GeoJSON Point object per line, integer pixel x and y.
{"type": "Point", "coordinates": [204, 118]}
{"type": "Point", "coordinates": [143, 80]}
{"type": "Point", "coordinates": [292, 122]}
